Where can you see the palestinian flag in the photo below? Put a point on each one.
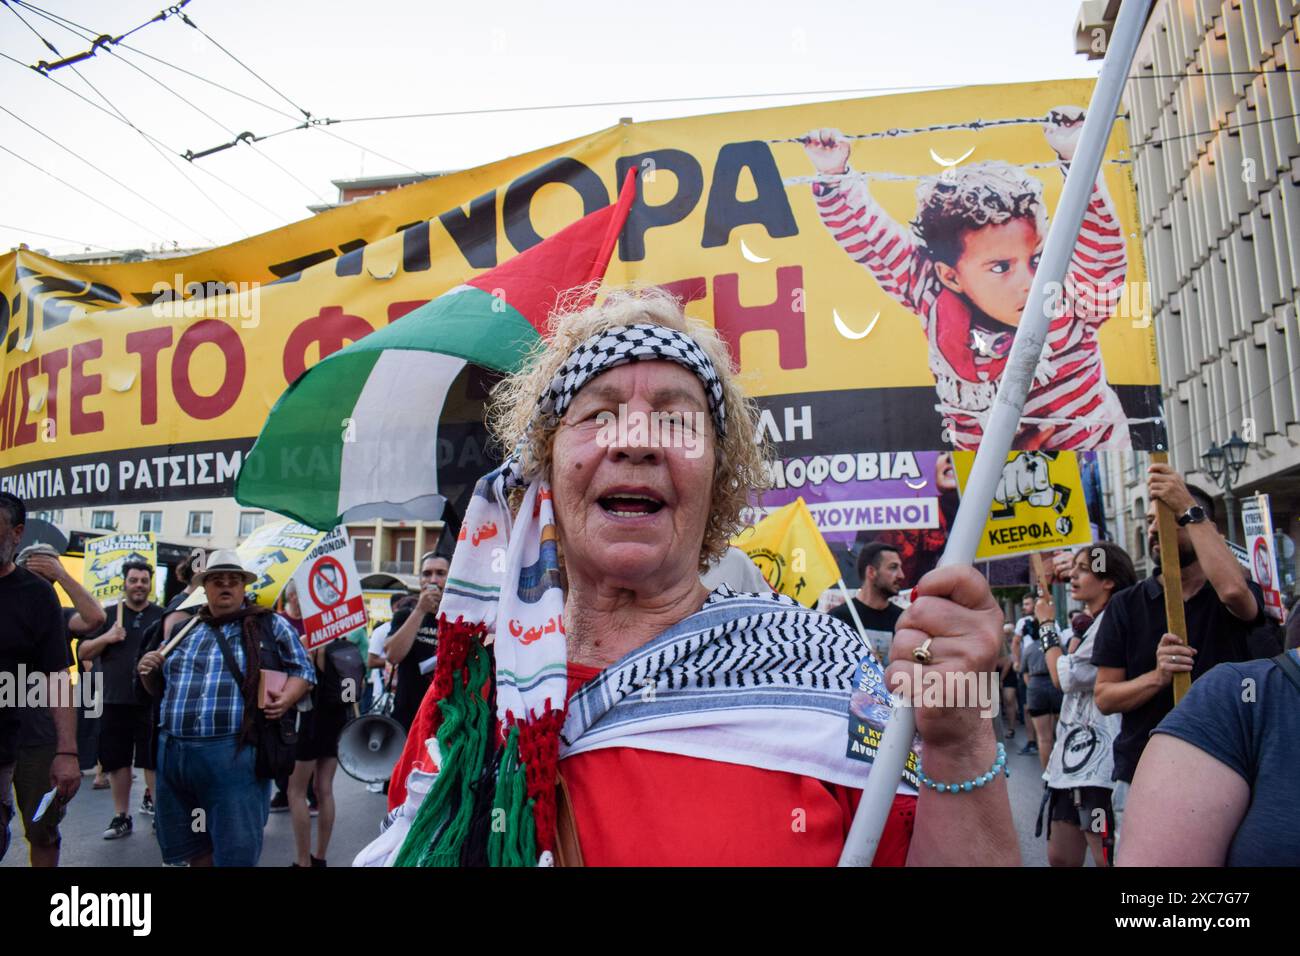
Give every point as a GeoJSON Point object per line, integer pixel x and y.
{"type": "Point", "coordinates": [390, 387]}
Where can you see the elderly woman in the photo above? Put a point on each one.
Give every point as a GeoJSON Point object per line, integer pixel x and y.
{"type": "Point", "coordinates": [595, 704]}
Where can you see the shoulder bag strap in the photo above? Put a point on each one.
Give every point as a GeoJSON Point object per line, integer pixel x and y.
{"type": "Point", "coordinates": [228, 656]}
{"type": "Point", "coordinates": [1290, 669]}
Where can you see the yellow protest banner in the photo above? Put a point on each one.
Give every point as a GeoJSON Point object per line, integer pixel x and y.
{"type": "Point", "coordinates": [379, 606]}
{"type": "Point", "coordinates": [104, 557]}
{"type": "Point", "coordinates": [791, 553]}
{"type": "Point", "coordinates": [272, 552]}
{"type": "Point", "coordinates": [148, 381]}
{"type": "Point", "coordinates": [1038, 505]}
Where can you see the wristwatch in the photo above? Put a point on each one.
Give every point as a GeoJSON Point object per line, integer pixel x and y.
{"type": "Point", "coordinates": [1193, 515]}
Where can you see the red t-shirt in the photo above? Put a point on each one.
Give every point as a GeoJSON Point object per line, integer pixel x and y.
{"type": "Point", "coordinates": [641, 808]}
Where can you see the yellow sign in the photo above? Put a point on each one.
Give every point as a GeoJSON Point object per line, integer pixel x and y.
{"type": "Point", "coordinates": [148, 381]}
{"type": "Point", "coordinates": [791, 553]}
{"type": "Point", "coordinates": [379, 606]}
{"type": "Point", "coordinates": [1038, 505]}
{"type": "Point", "coordinates": [104, 557]}
{"type": "Point", "coordinates": [272, 552]}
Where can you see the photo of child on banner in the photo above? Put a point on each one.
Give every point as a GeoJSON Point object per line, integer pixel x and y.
{"type": "Point", "coordinates": [965, 267]}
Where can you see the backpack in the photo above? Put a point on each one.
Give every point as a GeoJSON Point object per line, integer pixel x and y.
{"type": "Point", "coordinates": [343, 676]}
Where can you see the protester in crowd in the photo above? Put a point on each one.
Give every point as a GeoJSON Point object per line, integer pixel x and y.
{"type": "Point", "coordinates": [1042, 696]}
{"type": "Point", "coordinates": [1136, 659]}
{"type": "Point", "coordinates": [183, 573]}
{"type": "Point", "coordinates": [1080, 767]}
{"type": "Point", "coordinates": [173, 618]}
{"type": "Point", "coordinates": [412, 642]}
{"type": "Point", "coordinates": [208, 749]}
{"type": "Point", "coordinates": [38, 739]}
{"type": "Point", "coordinates": [289, 608]}
{"type": "Point", "coordinates": [708, 775]}
{"type": "Point", "coordinates": [1216, 785]}
{"type": "Point", "coordinates": [33, 656]}
{"type": "Point", "coordinates": [316, 761]}
{"type": "Point", "coordinates": [1007, 680]}
{"type": "Point", "coordinates": [1026, 633]}
{"type": "Point", "coordinates": [126, 735]}
{"type": "Point", "coordinates": [880, 569]}
{"type": "Point", "coordinates": [376, 661]}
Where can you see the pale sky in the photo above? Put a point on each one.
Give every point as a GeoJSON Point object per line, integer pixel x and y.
{"type": "Point", "coordinates": [386, 57]}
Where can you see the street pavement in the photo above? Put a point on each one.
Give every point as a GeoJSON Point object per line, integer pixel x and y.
{"type": "Point", "coordinates": [1025, 789]}
{"type": "Point", "coordinates": [360, 812]}
{"type": "Point", "coordinates": [357, 818]}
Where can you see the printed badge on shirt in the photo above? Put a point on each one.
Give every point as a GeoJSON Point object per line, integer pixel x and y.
{"type": "Point", "coordinates": [869, 712]}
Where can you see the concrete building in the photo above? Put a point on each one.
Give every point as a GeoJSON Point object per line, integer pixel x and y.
{"type": "Point", "coordinates": [365, 187]}
{"type": "Point", "coordinates": [1213, 109]}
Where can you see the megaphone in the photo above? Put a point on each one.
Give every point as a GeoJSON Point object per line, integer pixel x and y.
{"type": "Point", "coordinates": [369, 747]}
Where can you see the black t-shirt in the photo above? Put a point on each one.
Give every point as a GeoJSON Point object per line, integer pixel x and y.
{"type": "Point", "coordinates": [31, 635]}
{"type": "Point", "coordinates": [1128, 637]}
{"type": "Point", "coordinates": [879, 625]}
{"type": "Point", "coordinates": [411, 684]}
{"type": "Point", "coordinates": [117, 661]}
{"type": "Point", "coordinates": [37, 725]}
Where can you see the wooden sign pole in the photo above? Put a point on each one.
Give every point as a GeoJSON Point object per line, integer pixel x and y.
{"type": "Point", "coordinates": [171, 645]}
{"type": "Point", "coordinates": [1172, 575]}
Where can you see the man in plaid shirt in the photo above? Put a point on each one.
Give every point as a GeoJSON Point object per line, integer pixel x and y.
{"type": "Point", "coordinates": [211, 807]}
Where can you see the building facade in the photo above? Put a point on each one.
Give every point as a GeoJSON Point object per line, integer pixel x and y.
{"type": "Point", "coordinates": [1213, 109]}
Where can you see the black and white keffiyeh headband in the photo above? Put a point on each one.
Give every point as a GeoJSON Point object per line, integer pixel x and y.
{"type": "Point", "coordinates": [622, 345]}
{"type": "Point", "coordinates": [615, 346]}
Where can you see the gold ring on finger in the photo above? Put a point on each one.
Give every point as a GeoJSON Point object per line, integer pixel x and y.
{"type": "Point", "coordinates": [922, 654]}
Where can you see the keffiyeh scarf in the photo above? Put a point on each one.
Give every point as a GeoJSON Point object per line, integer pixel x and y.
{"type": "Point", "coordinates": [494, 800]}
{"type": "Point", "coordinates": [752, 679]}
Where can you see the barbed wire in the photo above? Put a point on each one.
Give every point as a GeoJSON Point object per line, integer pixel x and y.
{"type": "Point", "coordinates": [909, 177]}
{"type": "Point", "coordinates": [976, 125]}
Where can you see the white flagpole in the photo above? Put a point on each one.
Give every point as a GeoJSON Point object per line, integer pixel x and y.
{"type": "Point", "coordinates": [857, 621]}
{"type": "Point", "coordinates": [1004, 420]}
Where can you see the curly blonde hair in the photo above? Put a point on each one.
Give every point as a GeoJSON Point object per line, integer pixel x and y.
{"type": "Point", "coordinates": [739, 468]}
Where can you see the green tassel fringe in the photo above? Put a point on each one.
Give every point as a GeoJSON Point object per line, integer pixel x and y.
{"type": "Point", "coordinates": [512, 840]}
{"type": "Point", "coordinates": [438, 834]}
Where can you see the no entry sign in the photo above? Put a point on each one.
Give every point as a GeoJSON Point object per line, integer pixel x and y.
{"type": "Point", "coordinates": [329, 590]}
{"type": "Point", "coordinates": [328, 582]}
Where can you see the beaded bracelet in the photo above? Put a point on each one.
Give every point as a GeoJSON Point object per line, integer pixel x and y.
{"type": "Point", "coordinates": [968, 785]}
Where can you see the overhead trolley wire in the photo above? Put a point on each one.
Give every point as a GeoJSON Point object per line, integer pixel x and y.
{"type": "Point", "coordinates": [80, 158]}
{"type": "Point", "coordinates": [81, 96]}
{"type": "Point", "coordinates": [77, 189]}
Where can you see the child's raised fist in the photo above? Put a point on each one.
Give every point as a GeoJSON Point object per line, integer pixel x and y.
{"type": "Point", "coordinates": [828, 149]}
{"type": "Point", "coordinates": [1062, 129]}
